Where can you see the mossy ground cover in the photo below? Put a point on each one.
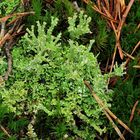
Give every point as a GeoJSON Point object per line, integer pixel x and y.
{"type": "Point", "coordinates": [42, 73]}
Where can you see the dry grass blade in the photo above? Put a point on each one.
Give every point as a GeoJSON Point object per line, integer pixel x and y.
{"type": "Point", "coordinates": [2, 30]}
{"type": "Point", "coordinates": [123, 5]}
{"type": "Point", "coordinates": [128, 59]}
{"type": "Point", "coordinates": [118, 120]}
{"type": "Point", "coordinates": [131, 116]}
{"type": "Point", "coordinates": [107, 4]}
{"type": "Point", "coordinates": [113, 60]}
{"type": "Point", "coordinates": [128, 55]}
{"type": "Point", "coordinates": [9, 61]}
{"type": "Point", "coordinates": [99, 4]}
{"type": "Point", "coordinates": [107, 111]}
{"type": "Point", "coordinates": [125, 15]}
{"type": "Point", "coordinates": [5, 132]}
{"type": "Point", "coordinates": [106, 67]}
{"type": "Point", "coordinates": [136, 66]}
{"type": "Point", "coordinates": [120, 49]}
{"type": "Point", "coordinates": [138, 44]}
{"type": "Point", "coordinates": [111, 3]}
{"type": "Point", "coordinates": [4, 19]}
{"type": "Point", "coordinates": [138, 27]}
{"type": "Point", "coordinates": [119, 8]}
{"type": "Point", "coordinates": [114, 126]}
{"type": "Point", "coordinates": [133, 110]}
{"type": "Point", "coordinates": [6, 37]}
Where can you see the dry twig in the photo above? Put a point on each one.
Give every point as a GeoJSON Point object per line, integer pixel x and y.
{"type": "Point", "coordinates": [108, 113]}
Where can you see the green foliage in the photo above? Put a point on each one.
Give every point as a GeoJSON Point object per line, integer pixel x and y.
{"type": "Point", "coordinates": [3, 64]}
{"type": "Point", "coordinates": [14, 104]}
{"type": "Point", "coordinates": [41, 13]}
{"type": "Point", "coordinates": [130, 37]}
{"type": "Point", "coordinates": [82, 28]}
{"type": "Point", "coordinates": [44, 11]}
{"type": "Point", "coordinates": [102, 35]}
{"type": "Point", "coordinates": [125, 95]}
{"type": "Point", "coordinates": [48, 76]}
{"type": "Point", "coordinates": [15, 125]}
{"type": "Point", "coordinates": [6, 6]}
{"type": "Point", "coordinates": [131, 33]}
{"type": "Point", "coordinates": [64, 6]}
{"type": "Point", "coordinates": [45, 96]}
{"type": "Point", "coordinates": [37, 7]}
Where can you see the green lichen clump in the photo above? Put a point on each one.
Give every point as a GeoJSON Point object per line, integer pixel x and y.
{"type": "Point", "coordinates": [48, 76]}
